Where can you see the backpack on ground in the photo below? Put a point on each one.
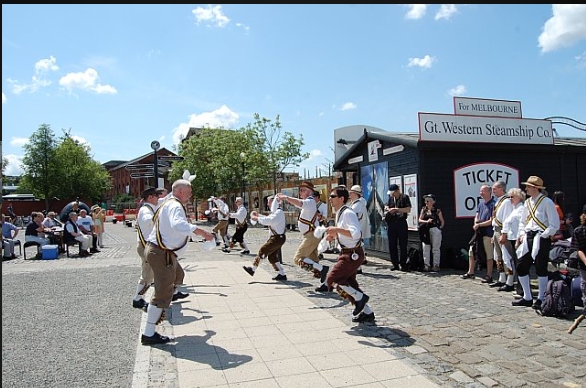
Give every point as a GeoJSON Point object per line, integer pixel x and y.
{"type": "Point", "coordinates": [557, 300]}
{"type": "Point", "coordinates": [415, 260]}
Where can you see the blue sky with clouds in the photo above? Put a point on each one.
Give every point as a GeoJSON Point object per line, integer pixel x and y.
{"type": "Point", "coordinates": [120, 76]}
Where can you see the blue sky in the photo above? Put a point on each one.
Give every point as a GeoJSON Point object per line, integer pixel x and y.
{"type": "Point", "coordinates": [120, 76]}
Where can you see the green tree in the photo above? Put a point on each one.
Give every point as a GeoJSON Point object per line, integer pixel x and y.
{"type": "Point", "coordinates": [222, 159]}
{"type": "Point", "coordinates": [40, 175]}
{"type": "Point", "coordinates": [272, 150]}
{"type": "Point", "coordinates": [61, 168]}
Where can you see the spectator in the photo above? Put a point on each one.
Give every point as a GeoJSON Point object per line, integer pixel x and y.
{"type": "Point", "coordinates": [579, 243]}
{"type": "Point", "coordinates": [86, 225]}
{"type": "Point", "coordinates": [73, 232]}
{"type": "Point", "coordinates": [396, 211]}
{"type": "Point", "coordinates": [35, 231]}
{"type": "Point", "coordinates": [564, 232]}
{"type": "Point", "coordinates": [482, 249]}
{"type": "Point", "coordinates": [51, 221]}
{"type": "Point", "coordinates": [9, 232]}
{"type": "Point", "coordinates": [99, 219]}
{"type": "Point", "coordinates": [431, 216]}
{"type": "Point", "coordinates": [11, 213]}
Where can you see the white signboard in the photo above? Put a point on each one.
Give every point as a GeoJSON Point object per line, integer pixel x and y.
{"type": "Point", "coordinates": [477, 129]}
{"type": "Point", "coordinates": [411, 190]}
{"type": "Point", "coordinates": [468, 179]}
{"type": "Point", "coordinates": [488, 108]}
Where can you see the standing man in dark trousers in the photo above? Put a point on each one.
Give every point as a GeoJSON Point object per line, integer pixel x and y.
{"type": "Point", "coordinates": [396, 211]}
{"type": "Point", "coordinates": [166, 242]}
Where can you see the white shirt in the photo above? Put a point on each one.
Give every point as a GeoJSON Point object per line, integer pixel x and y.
{"type": "Point", "coordinates": [511, 223]}
{"type": "Point", "coordinates": [348, 220]}
{"type": "Point", "coordinates": [275, 220]}
{"type": "Point", "coordinates": [308, 211]}
{"type": "Point", "coordinates": [359, 207]}
{"type": "Point", "coordinates": [503, 209]}
{"type": "Point", "coordinates": [240, 214]}
{"type": "Point", "coordinates": [86, 222]}
{"type": "Point", "coordinates": [144, 219]}
{"type": "Point", "coordinates": [545, 213]}
{"type": "Point", "coordinates": [222, 208]}
{"type": "Point", "coordinates": [173, 226]}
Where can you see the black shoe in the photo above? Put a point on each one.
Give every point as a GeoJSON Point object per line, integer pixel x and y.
{"type": "Point", "coordinates": [225, 250]}
{"type": "Point", "coordinates": [280, 277]}
{"type": "Point", "coordinates": [364, 318]}
{"type": "Point", "coordinates": [323, 288]}
{"type": "Point", "coordinates": [522, 302]}
{"type": "Point", "coordinates": [359, 304]}
{"type": "Point", "coordinates": [404, 268]}
{"type": "Point", "coordinates": [537, 304]}
{"type": "Point", "coordinates": [359, 271]}
{"type": "Point", "coordinates": [486, 279]}
{"type": "Point", "coordinates": [323, 273]}
{"type": "Point", "coordinates": [245, 252]}
{"type": "Point", "coordinates": [179, 295]}
{"type": "Point", "coordinates": [496, 284]}
{"type": "Point", "coordinates": [507, 288]}
{"type": "Point", "coordinates": [467, 276]}
{"type": "Point", "coordinates": [394, 267]}
{"type": "Point", "coordinates": [140, 304]}
{"type": "Point", "coordinates": [249, 270]}
{"type": "Point", "coordinates": [154, 339]}
{"type": "Point", "coordinates": [95, 250]}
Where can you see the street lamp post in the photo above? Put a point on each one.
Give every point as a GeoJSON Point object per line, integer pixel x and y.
{"type": "Point", "coordinates": [242, 158]}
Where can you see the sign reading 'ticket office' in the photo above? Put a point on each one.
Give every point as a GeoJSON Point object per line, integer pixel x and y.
{"type": "Point", "coordinates": [468, 179]}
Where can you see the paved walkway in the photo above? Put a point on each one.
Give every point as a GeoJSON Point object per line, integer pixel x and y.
{"type": "Point", "coordinates": [236, 330]}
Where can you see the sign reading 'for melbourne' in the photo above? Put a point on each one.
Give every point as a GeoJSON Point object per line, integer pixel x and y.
{"type": "Point", "coordinates": [477, 129]}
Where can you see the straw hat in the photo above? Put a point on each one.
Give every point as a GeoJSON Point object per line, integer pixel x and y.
{"type": "Point", "coordinates": [534, 181]}
{"type": "Point", "coordinates": [357, 189]}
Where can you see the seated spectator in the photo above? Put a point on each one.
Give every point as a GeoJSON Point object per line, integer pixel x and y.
{"type": "Point", "coordinates": [35, 231]}
{"type": "Point", "coordinates": [86, 224]}
{"type": "Point", "coordinates": [51, 221]}
{"type": "Point", "coordinates": [9, 231]}
{"type": "Point", "coordinates": [72, 232]}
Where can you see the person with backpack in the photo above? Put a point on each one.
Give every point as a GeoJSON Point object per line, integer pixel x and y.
{"type": "Point", "coordinates": [539, 223]}
{"type": "Point", "coordinates": [579, 243]}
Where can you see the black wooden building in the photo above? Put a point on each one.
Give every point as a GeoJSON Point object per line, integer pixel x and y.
{"type": "Point", "coordinates": [454, 172]}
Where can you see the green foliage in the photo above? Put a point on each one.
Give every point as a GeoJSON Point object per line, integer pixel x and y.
{"type": "Point", "coordinates": [223, 159]}
{"type": "Point", "coordinates": [61, 168]}
{"type": "Point", "coordinates": [124, 201]}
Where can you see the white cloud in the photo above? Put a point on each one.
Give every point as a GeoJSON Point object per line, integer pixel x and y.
{"type": "Point", "coordinates": [565, 28]}
{"type": "Point", "coordinates": [348, 106]}
{"type": "Point", "coordinates": [223, 117]}
{"type": "Point", "coordinates": [446, 11]}
{"type": "Point", "coordinates": [212, 16]}
{"type": "Point", "coordinates": [581, 59]}
{"type": "Point", "coordinates": [424, 62]}
{"type": "Point", "coordinates": [3, 97]}
{"type": "Point", "coordinates": [42, 68]}
{"type": "Point", "coordinates": [14, 167]}
{"type": "Point", "coordinates": [457, 91]}
{"type": "Point", "coordinates": [18, 141]}
{"type": "Point", "coordinates": [416, 11]}
{"type": "Point", "coordinates": [87, 80]}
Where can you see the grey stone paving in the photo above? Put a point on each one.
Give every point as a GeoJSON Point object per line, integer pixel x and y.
{"type": "Point", "coordinates": [460, 332]}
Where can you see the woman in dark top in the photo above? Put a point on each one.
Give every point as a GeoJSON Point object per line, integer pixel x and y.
{"type": "Point", "coordinates": [431, 217]}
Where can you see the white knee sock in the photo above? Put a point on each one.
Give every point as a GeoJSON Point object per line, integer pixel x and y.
{"type": "Point", "coordinates": [317, 266]}
{"type": "Point", "coordinates": [502, 277]}
{"type": "Point", "coordinates": [510, 280]}
{"type": "Point", "coordinates": [139, 288]}
{"type": "Point", "coordinates": [357, 295]}
{"type": "Point", "coordinates": [367, 309]}
{"type": "Point", "coordinates": [542, 282]}
{"type": "Point", "coordinates": [244, 246]}
{"type": "Point", "coordinates": [280, 267]}
{"type": "Point", "coordinates": [153, 315]}
{"type": "Point", "coordinates": [525, 283]}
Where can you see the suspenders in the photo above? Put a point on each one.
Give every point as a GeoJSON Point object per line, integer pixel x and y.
{"type": "Point", "coordinates": [140, 235]}
{"type": "Point", "coordinates": [156, 221]}
{"type": "Point", "coordinates": [532, 212]}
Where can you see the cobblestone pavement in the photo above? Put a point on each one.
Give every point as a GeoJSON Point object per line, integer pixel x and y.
{"type": "Point", "coordinates": [461, 332]}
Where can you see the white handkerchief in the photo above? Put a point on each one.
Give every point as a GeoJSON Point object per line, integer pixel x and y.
{"type": "Point", "coordinates": [523, 248]}
{"type": "Point", "coordinates": [536, 245]}
{"type": "Point", "coordinates": [209, 245]}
